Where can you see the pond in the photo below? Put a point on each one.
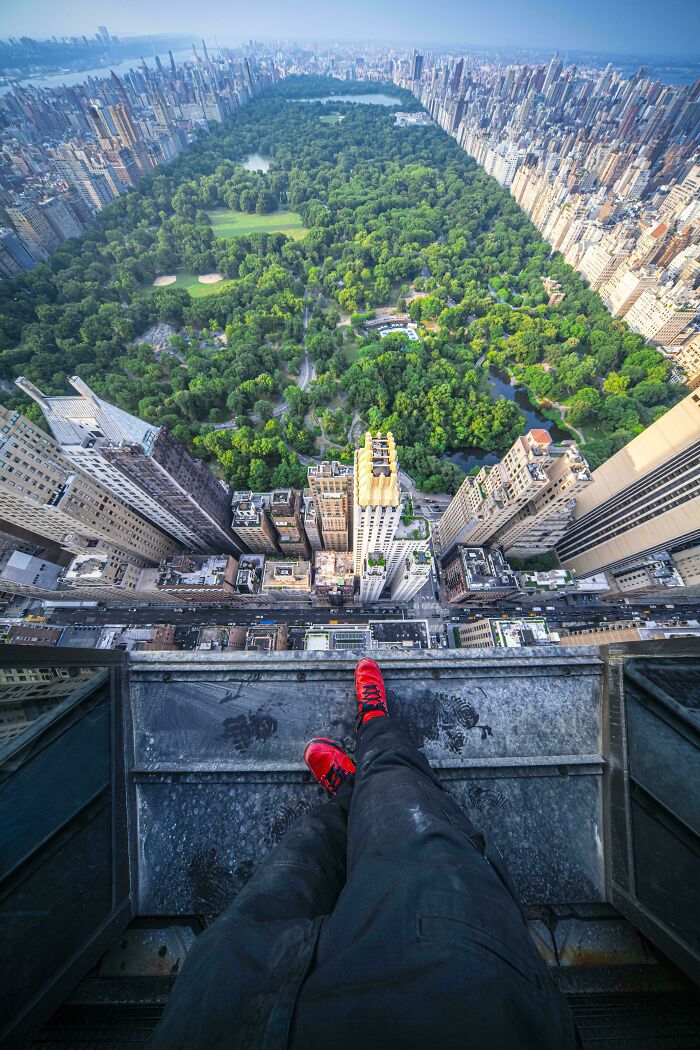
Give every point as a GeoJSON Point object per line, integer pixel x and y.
{"type": "Point", "coordinates": [370, 99]}
{"type": "Point", "coordinates": [501, 387]}
{"type": "Point", "coordinates": [256, 162]}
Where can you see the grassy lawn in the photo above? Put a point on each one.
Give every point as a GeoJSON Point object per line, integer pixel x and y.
{"type": "Point", "coordinates": [227, 223]}
{"type": "Point", "coordinates": [189, 281]}
{"type": "Point", "coordinates": [332, 118]}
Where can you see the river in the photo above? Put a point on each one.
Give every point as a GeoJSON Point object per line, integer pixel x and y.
{"type": "Point", "coordinates": [67, 79]}
{"type": "Point", "coordinates": [501, 387]}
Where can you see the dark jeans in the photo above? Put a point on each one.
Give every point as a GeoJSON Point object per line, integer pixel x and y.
{"type": "Point", "coordinates": [418, 942]}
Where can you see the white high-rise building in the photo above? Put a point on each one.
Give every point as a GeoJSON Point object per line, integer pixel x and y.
{"type": "Point", "coordinates": [386, 531]}
{"type": "Point", "coordinates": [413, 575]}
{"type": "Point", "coordinates": [377, 511]}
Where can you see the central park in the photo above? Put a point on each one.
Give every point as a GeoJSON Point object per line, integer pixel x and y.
{"type": "Point", "coordinates": [265, 251]}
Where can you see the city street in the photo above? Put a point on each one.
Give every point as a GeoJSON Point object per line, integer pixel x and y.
{"type": "Point", "coordinates": [558, 612]}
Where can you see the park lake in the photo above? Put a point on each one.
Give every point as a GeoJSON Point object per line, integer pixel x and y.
{"type": "Point", "coordinates": [501, 387]}
{"type": "Point", "coordinates": [256, 162]}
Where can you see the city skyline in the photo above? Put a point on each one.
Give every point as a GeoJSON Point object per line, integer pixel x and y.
{"type": "Point", "coordinates": [603, 164]}
{"type": "Point", "coordinates": [543, 24]}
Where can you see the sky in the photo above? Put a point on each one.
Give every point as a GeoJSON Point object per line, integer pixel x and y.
{"type": "Point", "coordinates": [609, 26]}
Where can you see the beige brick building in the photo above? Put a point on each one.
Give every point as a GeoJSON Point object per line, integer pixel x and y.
{"type": "Point", "coordinates": [41, 491]}
{"type": "Point", "coordinates": [644, 499]}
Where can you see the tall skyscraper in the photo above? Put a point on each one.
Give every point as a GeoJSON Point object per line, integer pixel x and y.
{"type": "Point", "coordinates": [646, 498]}
{"type": "Point", "coordinates": [331, 484]}
{"type": "Point", "coordinates": [40, 490]}
{"type": "Point", "coordinates": [61, 217]}
{"type": "Point", "coordinates": [377, 511]}
{"type": "Point", "coordinates": [522, 504]}
{"type": "Point", "coordinates": [144, 465]}
{"type": "Point", "coordinates": [386, 531]}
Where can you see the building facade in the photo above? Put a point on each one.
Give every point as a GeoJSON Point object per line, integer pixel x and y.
{"type": "Point", "coordinates": [40, 490]}
{"type": "Point", "coordinates": [287, 514]}
{"type": "Point", "coordinates": [251, 522]}
{"type": "Point", "coordinates": [144, 465]}
{"type": "Point", "coordinates": [522, 504]}
{"type": "Point", "coordinates": [644, 499]}
{"type": "Point", "coordinates": [688, 357]}
{"type": "Point", "coordinates": [332, 487]}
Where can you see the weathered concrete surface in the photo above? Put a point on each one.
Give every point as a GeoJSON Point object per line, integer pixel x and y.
{"type": "Point", "coordinates": [218, 773]}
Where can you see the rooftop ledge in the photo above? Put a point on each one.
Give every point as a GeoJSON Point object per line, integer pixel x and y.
{"type": "Point", "coordinates": [578, 764]}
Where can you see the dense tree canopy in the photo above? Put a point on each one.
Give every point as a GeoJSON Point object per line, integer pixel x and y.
{"type": "Point", "coordinates": [394, 216]}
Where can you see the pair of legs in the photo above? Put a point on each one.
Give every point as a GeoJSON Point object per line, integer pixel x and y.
{"type": "Point", "coordinates": [381, 918]}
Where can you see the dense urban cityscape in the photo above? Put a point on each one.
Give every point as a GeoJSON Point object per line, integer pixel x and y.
{"type": "Point", "coordinates": [113, 531]}
{"type": "Point", "coordinates": [318, 350]}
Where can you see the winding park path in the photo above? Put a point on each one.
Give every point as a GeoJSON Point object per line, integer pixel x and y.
{"type": "Point", "coordinates": [564, 411]}
{"type": "Point", "coordinates": [303, 381]}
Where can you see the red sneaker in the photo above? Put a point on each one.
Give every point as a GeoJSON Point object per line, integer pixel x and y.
{"type": "Point", "coordinates": [371, 696]}
{"type": "Point", "coordinates": [328, 762]}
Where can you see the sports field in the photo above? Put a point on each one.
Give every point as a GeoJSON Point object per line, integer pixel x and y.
{"type": "Point", "coordinates": [196, 284]}
{"type": "Point", "coordinates": [227, 223]}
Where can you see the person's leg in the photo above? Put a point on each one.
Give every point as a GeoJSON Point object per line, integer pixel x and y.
{"type": "Point", "coordinates": [426, 943]}
{"type": "Point", "coordinates": [240, 980]}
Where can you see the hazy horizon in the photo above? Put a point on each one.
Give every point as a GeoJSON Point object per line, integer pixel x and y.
{"type": "Point", "coordinates": [602, 26]}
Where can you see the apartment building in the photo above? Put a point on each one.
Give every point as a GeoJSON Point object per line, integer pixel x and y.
{"type": "Point", "coordinates": [376, 511]}
{"type": "Point", "coordinates": [522, 504]}
{"type": "Point", "coordinates": [286, 512]}
{"type": "Point", "coordinates": [386, 529]}
{"type": "Point", "coordinates": [644, 499]}
{"type": "Point", "coordinates": [478, 575]}
{"type": "Point", "coordinates": [332, 486]}
{"type": "Point", "coordinates": [251, 522]}
{"type": "Point", "coordinates": [599, 263]}
{"type": "Point", "coordinates": [688, 357]}
{"type": "Point", "coordinates": [659, 319]}
{"type": "Point", "coordinates": [624, 288]}
{"type": "Point", "coordinates": [34, 229]}
{"type": "Point", "coordinates": [505, 633]}
{"type": "Point", "coordinates": [41, 490]}
{"type": "Point", "coordinates": [200, 578]}
{"type": "Point", "coordinates": [334, 577]}
{"type": "Point", "coordinates": [412, 573]}
{"type": "Point", "coordinates": [144, 465]}
{"type": "Point", "coordinates": [288, 580]}
{"type": "Point", "coordinates": [312, 522]}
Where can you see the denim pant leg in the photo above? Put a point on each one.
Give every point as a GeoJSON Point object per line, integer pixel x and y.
{"type": "Point", "coordinates": [240, 981]}
{"type": "Point", "coordinates": [427, 945]}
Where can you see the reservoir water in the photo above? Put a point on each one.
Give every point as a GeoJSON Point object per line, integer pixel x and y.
{"type": "Point", "coordinates": [501, 387]}
{"type": "Point", "coordinates": [371, 99]}
{"type": "Point", "coordinates": [256, 162]}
